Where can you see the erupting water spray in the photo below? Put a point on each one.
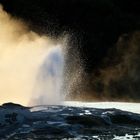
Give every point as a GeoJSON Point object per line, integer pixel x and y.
{"type": "Point", "coordinates": [31, 66]}
{"type": "Point", "coordinates": [49, 81]}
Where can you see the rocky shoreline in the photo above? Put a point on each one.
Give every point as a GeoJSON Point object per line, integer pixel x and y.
{"type": "Point", "coordinates": [65, 122]}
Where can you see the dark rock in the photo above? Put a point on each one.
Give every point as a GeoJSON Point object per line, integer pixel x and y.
{"type": "Point", "coordinates": [124, 119]}
{"type": "Point", "coordinates": [11, 118]}
{"type": "Point", "coordinates": [136, 137]}
{"type": "Point", "coordinates": [88, 120]}
{"type": "Point", "coordinates": [63, 122]}
{"type": "Point", "coordinates": [12, 105]}
{"type": "Point", "coordinates": [52, 130]}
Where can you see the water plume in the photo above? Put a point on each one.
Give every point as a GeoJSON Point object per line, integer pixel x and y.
{"type": "Point", "coordinates": [49, 81]}
{"type": "Point", "coordinates": [22, 53]}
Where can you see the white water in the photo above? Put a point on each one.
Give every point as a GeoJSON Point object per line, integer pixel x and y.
{"type": "Point", "coordinates": [48, 85]}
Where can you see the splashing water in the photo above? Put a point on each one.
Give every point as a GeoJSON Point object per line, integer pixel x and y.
{"type": "Point", "coordinates": [48, 86]}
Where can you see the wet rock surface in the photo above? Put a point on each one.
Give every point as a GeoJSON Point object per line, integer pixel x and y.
{"type": "Point", "coordinates": [65, 122]}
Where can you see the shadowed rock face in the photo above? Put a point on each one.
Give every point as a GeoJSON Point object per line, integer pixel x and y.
{"type": "Point", "coordinates": [58, 122]}
{"type": "Point", "coordinates": [105, 34]}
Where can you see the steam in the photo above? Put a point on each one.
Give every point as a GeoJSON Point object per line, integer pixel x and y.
{"type": "Point", "coordinates": [27, 57]}
{"type": "Point", "coordinates": [120, 80]}
{"type": "Point", "coordinates": [21, 54]}
{"type": "Point", "coordinates": [124, 79]}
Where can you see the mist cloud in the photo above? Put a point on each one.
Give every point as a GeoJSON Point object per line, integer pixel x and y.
{"type": "Point", "coordinates": [120, 78]}
{"type": "Point", "coordinates": [21, 53]}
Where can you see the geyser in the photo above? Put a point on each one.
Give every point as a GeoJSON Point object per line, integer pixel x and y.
{"type": "Point", "coordinates": [28, 62]}
{"type": "Point", "coordinates": [49, 81]}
